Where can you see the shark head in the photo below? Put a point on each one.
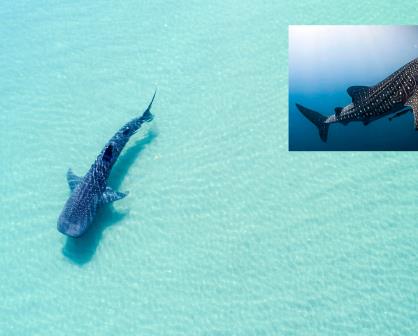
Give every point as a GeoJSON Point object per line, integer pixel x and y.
{"type": "Point", "coordinates": [71, 228]}
{"type": "Point", "coordinates": [74, 220]}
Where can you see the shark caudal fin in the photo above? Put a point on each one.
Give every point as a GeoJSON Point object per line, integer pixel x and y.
{"type": "Point", "coordinates": [317, 119]}
{"type": "Point", "coordinates": [147, 115]}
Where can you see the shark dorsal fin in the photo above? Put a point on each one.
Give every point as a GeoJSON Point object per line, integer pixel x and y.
{"type": "Point", "coordinates": [72, 179]}
{"type": "Point", "coordinates": [338, 111]}
{"type": "Point", "coordinates": [356, 92]}
{"type": "Point", "coordinates": [110, 195]}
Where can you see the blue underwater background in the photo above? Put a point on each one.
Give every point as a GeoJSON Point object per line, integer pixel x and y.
{"type": "Point", "coordinates": [224, 232]}
{"type": "Point", "coordinates": [324, 61]}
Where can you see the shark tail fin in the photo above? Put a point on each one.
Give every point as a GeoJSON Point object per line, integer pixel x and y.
{"type": "Point", "coordinates": [147, 115]}
{"type": "Point", "coordinates": [317, 119]}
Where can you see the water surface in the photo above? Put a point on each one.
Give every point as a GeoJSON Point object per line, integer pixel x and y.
{"type": "Point", "coordinates": [224, 231]}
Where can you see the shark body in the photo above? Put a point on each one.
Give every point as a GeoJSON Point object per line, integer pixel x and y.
{"type": "Point", "coordinates": [90, 192]}
{"type": "Point", "coordinates": [397, 94]}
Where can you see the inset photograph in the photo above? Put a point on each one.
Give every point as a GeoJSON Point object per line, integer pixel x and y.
{"type": "Point", "coordinates": [353, 88]}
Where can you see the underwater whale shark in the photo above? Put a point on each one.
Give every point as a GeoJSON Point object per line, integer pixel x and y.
{"type": "Point", "coordinates": [397, 94]}
{"type": "Point", "coordinates": [88, 193]}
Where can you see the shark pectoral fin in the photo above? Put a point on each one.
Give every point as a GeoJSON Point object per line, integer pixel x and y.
{"type": "Point", "coordinates": [399, 114]}
{"type": "Point", "coordinates": [72, 179]}
{"type": "Point", "coordinates": [110, 195]}
{"type": "Point", "coordinates": [415, 112]}
{"type": "Point", "coordinates": [412, 102]}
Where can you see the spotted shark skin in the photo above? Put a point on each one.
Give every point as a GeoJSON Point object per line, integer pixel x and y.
{"type": "Point", "coordinates": [90, 192]}
{"type": "Point", "coordinates": [397, 94]}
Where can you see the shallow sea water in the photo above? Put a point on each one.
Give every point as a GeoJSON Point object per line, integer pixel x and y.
{"type": "Point", "coordinates": [224, 231]}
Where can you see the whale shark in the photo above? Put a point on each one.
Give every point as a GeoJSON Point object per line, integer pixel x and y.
{"type": "Point", "coordinates": [395, 95]}
{"type": "Point", "coordinates": [90, 192]}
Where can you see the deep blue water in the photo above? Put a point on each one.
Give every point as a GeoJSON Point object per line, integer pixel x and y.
{"type": "Point", "coordinates": [321, 71]}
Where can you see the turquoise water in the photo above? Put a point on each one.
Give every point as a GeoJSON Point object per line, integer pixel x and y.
{"type": "Point", "coordinates": [224, 231]}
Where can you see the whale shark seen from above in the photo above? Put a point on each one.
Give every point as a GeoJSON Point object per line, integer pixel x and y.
{"type": "Point", "coordinates": [397, 94]}
{"type": "Point", "coordinates": [88, 193]}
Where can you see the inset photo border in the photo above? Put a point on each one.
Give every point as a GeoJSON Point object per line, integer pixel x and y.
{"type": "Point", "coordinates": [353, 88]}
